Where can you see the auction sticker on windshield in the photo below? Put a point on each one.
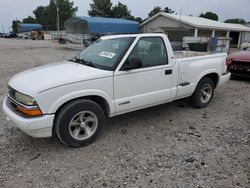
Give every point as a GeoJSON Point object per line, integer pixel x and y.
{"type": "Point", "coordinates": [107, 54]}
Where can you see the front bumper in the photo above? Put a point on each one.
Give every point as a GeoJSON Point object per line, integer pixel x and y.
{"type": "Point", "coordinates": [224, 78]}
{"type": "Point", "coordinates": [38, 127]}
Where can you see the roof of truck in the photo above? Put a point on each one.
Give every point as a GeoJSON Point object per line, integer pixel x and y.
{"type": "Point", "coordinates": [134, 35]}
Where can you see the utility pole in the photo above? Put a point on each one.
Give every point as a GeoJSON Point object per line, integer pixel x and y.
{"type": "Point", "coordinates": [180, 16]}
{"type": "Point", "coordinates": [58, 19]}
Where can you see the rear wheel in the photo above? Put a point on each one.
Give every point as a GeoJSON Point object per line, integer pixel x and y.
{"type": "Point", "coordinates": [203, 94]}
{"type": "Point", "coordinates": [79, 123]}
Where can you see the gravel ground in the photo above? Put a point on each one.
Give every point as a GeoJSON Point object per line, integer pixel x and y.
{"type": "Point", "coordinates": [172, 145]}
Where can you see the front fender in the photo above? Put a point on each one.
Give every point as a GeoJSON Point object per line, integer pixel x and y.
{"type": "Point", "coordinates": [82, 93]}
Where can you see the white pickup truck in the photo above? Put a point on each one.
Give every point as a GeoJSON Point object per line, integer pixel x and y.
{"type": "Point", "coordinates": [115, 75]}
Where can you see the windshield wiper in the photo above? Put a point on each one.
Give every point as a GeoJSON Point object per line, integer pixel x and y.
{"type": "Point", "coordinates": [84, 62]}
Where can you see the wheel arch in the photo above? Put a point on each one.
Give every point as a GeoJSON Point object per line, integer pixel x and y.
{"type": "Point", "coordinates": [100, 97]}
{"type": "Point", "coordinates": [95, 98]}
{"type": "Point", "coordinates": [213, 75]}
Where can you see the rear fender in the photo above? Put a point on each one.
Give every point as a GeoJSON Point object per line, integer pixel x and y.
{"type": "Point", "coordinates": [203, 74]}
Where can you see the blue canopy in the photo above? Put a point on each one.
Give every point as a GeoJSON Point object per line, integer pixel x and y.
{"type": "Point", "coordinates": [101, 25]}
{"type": "Point", "coordinates": [25, 27]}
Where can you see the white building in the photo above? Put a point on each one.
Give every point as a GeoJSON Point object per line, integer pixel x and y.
{"type": "Point", "coordinates": [177, 27]}
{"type": "Point", "coordinates": [246, 35]}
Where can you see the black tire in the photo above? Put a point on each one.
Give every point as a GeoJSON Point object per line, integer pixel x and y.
{"type": "Point", "coordinates": [67, 115]}
{"type": "Point", "coordinates": [197, 100]}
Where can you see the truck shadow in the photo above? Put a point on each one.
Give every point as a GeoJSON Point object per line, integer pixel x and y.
{"type": "Point", "coordinates": [148, 114]}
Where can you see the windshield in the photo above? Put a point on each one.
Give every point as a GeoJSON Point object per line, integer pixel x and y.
{"type": "Point", "coordinates": [105, 54]}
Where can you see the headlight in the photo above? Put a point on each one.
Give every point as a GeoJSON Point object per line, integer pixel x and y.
{"type": "Point", "coordinates": [24, 103]}
{"type": "Point", "coordinates": [25, 99]}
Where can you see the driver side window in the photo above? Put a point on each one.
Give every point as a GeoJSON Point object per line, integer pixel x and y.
{"type": "Point", "coordinates": [151, 51]}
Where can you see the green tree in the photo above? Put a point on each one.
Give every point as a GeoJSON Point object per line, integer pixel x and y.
{"type": "Point", "coordinates": [47, 15]}
{"type": "Point", "coordinates": [236, 20]}
{"type": "Point", "coordinates": [29, 19]}
{"type": "Point", "coordinates": [105, 8]}
{"type": "Point", "coordinates": [168, 10]}
{"type": "Point", "coordinates": [15, 25]}
{"type": "Point", "coordinates": [40, 15]}
{"type": "Point", "coordinates": [158, 9]}
{"type": "Point", "coordinates": [100, 8]}
{"type": "Point", "coordinates": [210, 15]}
{"type": "Point", "coordinates": [121, 11]}
{"type": "Point", "coordinates": [137, 19]}
{"type": "Point", "coordinates": [66, 11]}
{"type": "Point", "coordinates": [154, 11]}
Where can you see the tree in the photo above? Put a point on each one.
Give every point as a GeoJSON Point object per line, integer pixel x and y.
{"type": "Point", "coordinates": [29, 19]}
{"type": "Point", "coordinates": [236, 20]}
{"type": "Point", "coordinates": [66, 11]}
{"type": "Point", "coordinates": [51, 15]}
{"type": "Point", "coordinates": [47, 15]}
{"type": "Point", "coordinates": [137, 19]}
{"type": "Point", "coordinates": [210, 15]}
{"type": "Point", "coordinates": [120, 11]}
{"type": "Point", "coordinates": [15, 25]}
{"type": "Point", "coordinates": [41, 15]}
{"type": "Point", "coordinates": [158, 9]}
{"type": "Point", "coordinates": [100, 8]}
{"type": "Point", "coordinates": [168, 10]}
{"type": "Point", "coordinates": [105, 8]}
{"type": "Point", "coordinates": [155, 10]}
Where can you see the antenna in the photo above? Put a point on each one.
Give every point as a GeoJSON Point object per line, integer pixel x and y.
{"type": "Point", "coordinates": [57, 19]}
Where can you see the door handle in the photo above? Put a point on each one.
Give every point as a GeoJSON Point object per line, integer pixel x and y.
{"type": "Point", "coordinates": [169, 71]}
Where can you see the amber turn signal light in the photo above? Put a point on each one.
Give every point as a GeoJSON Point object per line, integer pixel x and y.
{"type": "Point", "coordinates": [30, 112]}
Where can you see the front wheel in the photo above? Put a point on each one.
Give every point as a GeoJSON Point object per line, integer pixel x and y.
{"type": "Point", "coordinates": [203, 93]}
{"type": "Point", "coordinates": [79, 123]}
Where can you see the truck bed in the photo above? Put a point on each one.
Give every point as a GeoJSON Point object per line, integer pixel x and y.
{"type": "Point", "coordinates": [184, 54]}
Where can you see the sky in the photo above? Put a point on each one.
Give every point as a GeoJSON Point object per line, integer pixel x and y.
{"type": "Point", "coordinates": [225, 9]}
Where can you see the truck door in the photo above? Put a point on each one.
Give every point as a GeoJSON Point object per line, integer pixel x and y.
{"type": "Point", "coordinates": [137, 86]}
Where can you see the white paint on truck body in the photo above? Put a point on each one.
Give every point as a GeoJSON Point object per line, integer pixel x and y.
{"type": "Point", "coordinates": [124, 91]}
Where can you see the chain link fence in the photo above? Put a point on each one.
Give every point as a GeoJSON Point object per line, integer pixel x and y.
{"type": "Point", "coordinates": [62, 36]}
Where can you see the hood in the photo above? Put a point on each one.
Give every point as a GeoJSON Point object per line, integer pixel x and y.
{"type": "Point", "coordinates": [240, 56]}
{"type": "Point", "coordinates": [45, 77]}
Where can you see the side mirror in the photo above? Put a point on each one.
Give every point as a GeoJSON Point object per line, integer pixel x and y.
{"type": "Point", "coordinates": [132, 63]}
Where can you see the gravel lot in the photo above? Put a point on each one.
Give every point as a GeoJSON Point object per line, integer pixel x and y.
{"type": "Point", "coordinates": [172, 145]}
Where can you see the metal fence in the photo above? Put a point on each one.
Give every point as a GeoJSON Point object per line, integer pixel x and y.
{"type": "Point", "coordinates": [77, 39]}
